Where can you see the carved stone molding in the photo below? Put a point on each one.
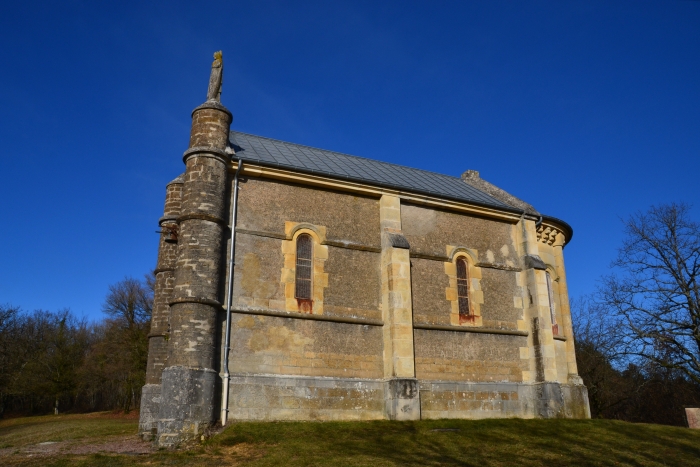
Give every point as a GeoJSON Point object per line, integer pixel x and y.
{"type": "Point", "coordinates": [547, 234]}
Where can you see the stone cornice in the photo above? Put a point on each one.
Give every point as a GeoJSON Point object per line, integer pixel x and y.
{"type": "Point", "coordinates": [440, 327]}
{"type": "Point", "coordinates": [206, 151]}
{"type": "Point", "coordinates": [216, 105]}
{"type": "Point", "coordinates": [252, 170]}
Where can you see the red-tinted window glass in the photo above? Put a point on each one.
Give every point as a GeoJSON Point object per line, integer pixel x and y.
{"type": "Point", "coordinates": [304, 266]}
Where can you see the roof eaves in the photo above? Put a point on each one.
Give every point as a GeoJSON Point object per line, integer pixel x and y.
{"type": "Point", "coordinates": [502, 207]}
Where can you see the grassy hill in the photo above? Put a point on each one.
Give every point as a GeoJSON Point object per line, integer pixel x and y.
{"type": "Point", "coordinates": [108, 440]}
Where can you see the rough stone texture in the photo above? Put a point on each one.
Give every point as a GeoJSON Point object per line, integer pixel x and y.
{"type": "Point", "coordinates": [255, 397]}
{"type": "Point", "coordinates": [429, 230]}
{"type": "Point", "coordinates": [475, 400]}
{"type": "Point", "coordinates": [210, 127]}
{"type": "Point", "coordinates": [160, 316]}
{"type": "Point", "coordinates": [350, 271]}
{"type": "Point", "coordinates": [188, 402]}
{"type": "Point", "coordinates": [266, 205]}
{"type": "Point", "coordinates": [692, 416]}
{"type": "Point", "coordinates": [287, 346]}
{"type": "Point", "coordinates": [257, 284]}
{"type": "Point", "coordinates": [553, 400]}
{"type": "Point", "coordinates": [402, 399]}
{"type": "Point", "coordinates": [149, 412]}
{"type": "Point", "coordinates": [397, 308]}
{"type": "Point", "coordinates": [465, 356]}
{"type": "Point", "coordinates": [193, 336]}
{"type": "Point", "coordinates": [499, 288]}
{"type": "Point", "coordinates": [428, 284]}
{"type": "Point", "coordinates": [189, 382]}
{"type": "Point", "coordinates": [502, 400]}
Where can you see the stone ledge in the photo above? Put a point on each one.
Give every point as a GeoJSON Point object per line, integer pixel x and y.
{"type": "Point", "coordinates": [200, 300]}
{"type": "Point", "coordinates": [159, 270]}
{"type": "Point", "coordinates": [443, 259]}
{"type": "Point", "coordinates": [206, 151]}
{"type": "Point", "coordinates": [440, 327]}
{"type": "Point", "coordinates": [202, 217]}
{"type": "Point", "coordinates": [212, 104]}
{"type": "Point", "coordinates": [333, 319]}
{"type": "Point", "coordinates": [333, 243]}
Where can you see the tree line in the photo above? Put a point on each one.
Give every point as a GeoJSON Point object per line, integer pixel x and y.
{"type": "Point", "coordinates": [54, 361]}
{"type": "Point", "coordinates": [638, 337]}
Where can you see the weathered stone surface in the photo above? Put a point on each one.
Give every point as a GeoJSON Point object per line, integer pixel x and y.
{"type": "Point", "coordinates": [350, 271]}
{"type": "Point", "coordinates": [265, 206]}
{"type": "Point", "coordinates": [160, 316]}
{"type": "Point", "coordinates": [149, 412]}
{"type": "Point", "coordinates": [464, 356]}
{"type": "Point", "coordinates": [402, 399]}
{"type": "Point", "coordinates": [692, 415]}
{"type": "Point", "coordinates": [428, 284]}
{"type": "Point", "coordinates": [429, 230]}
{"type": "Point", "coordinates": [502, 400]}
{"type": "Point", "coordinates": [210, 127]}
{"type": "Point", "coordinates": [287, 346]}
{"type": "Point", "coordinates": [188, 402]}
{"type": "Point", "coordinates": [257, 397]}
{"type": "Point", "coordinates": [190, 380]}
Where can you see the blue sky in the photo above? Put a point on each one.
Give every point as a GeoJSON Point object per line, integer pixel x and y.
{"type": "Point", "coordinates": [589, 110]}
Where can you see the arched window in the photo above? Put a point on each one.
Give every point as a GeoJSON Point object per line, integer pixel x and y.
{"type": "Point", "coordinates": [304, 267]}
{"type": "Point", "coordinates": [555, 326]}
{"type": "Point", "coordinates": [463, 287]}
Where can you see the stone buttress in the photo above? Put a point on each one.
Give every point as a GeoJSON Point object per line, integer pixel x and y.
{"type": "Point", "coordinates": [160, 317]}
{"type": "Point", "coordinates": [189, 382]}
{"type": "Point", "coordinates": [401, 394]}
{"type": "Point", "coordinates": [554, 395]}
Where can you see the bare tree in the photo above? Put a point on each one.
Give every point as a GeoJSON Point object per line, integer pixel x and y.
{"type": "Point", "coordinates": [129, 301]}
{"type": "Point", "coordinates": [123, 350]}
{"type": "Point", "coordinates": [656, 294]}
{"type": "Point", "coordinates": [599, 357]}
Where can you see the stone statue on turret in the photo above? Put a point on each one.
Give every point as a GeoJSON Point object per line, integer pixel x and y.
{"type": "Point", "coordinates": [216, 78]}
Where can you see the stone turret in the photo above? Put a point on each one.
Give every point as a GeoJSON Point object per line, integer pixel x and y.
{"type": "Point", "coordinates": [160, 317]}
{"type": "Point", "coordinates": [190, 378]}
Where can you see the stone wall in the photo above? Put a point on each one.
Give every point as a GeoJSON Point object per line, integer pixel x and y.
{"type": "Point", "coordinates": [381, 336]}
{"type": "Point", "coordinates": [465, 356]}
{"type": "Point", "coordinates": [290, 346]}
{"type": "Point", "coordinates": [380, 339]}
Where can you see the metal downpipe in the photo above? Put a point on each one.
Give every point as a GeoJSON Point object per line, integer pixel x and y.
{"type": "Point", "coordinates": [231, 263]}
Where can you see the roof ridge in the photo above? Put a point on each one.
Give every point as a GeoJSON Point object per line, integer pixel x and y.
{"type": "Point", "coordinates": [351, 155]}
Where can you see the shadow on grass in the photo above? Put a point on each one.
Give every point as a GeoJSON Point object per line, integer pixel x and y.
{"type": "Point", "coordinates": [477, 443]}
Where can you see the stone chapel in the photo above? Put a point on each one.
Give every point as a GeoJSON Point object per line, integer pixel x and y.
{"type": "Point", "coordinates": [296, 283]}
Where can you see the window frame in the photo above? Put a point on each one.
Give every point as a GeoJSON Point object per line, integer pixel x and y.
{"type": "Point", "coordinates": [475, 295]}
{"type": "Point", "coordinates": [303, 237]}
{"type": "Point", "coordinates": [463, 288]}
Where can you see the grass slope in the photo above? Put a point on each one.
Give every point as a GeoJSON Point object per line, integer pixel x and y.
{"type": "Point", "coordinates": [381, 443]}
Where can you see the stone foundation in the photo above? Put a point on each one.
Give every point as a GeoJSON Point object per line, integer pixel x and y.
{"type": "Point", "coordinates": [305, 398]}
{"type": "Point", "coordinates": [502, 400]}
{"type": "Point", "coordinates": [150, 405]}
{"type": "Point", "coordinates": [258, 397]}
{"type": "Point", "coordinates": [187, 407]}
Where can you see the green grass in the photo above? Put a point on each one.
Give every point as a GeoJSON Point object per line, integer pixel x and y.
{"type": "Point", "coordinates": [382, 443]}
{"type": "Point", "coordinates": [25, 431]}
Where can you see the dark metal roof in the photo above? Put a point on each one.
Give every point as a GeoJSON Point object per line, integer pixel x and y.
{"type": "Point", "coordinates": [271, 152]}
